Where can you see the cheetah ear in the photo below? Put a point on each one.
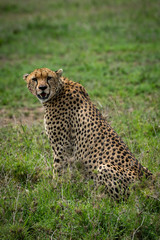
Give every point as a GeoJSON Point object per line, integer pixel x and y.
{"type": "Point", "coordinates": [59, 72]}
{"type": "Point", "coordinates": [25, 76]}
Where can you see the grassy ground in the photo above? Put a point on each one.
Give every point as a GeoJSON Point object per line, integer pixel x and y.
{"type": "Point", "coordinates": [112, 48]}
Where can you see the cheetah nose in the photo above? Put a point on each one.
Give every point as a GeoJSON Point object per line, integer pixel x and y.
{"type": "Point", "coordinates": [42, 87]}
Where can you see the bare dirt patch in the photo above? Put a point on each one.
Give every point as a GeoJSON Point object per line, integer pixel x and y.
{"type": "Point", "coordinates": [25, 116]}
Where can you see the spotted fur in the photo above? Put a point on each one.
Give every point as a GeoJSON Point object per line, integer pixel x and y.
{"type": "Point", "coordinates": [77, 130]}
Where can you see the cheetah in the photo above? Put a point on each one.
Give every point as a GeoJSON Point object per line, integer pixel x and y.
{"type": "Point", "coordinates": [77, 130]}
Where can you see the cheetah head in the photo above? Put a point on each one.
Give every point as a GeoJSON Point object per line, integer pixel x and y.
{"type": "Point", "coordinates": [44, 83]}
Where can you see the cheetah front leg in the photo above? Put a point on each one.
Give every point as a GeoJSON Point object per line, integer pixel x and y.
{"type": "Point", "coordinates": [62, 158]}
{"type": "Point", "coordinates": [59, 135]}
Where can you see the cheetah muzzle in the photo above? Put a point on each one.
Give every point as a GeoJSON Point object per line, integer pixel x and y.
{"type": "Point", "coordinates": [43, 96]}
{"type": "Point", "coordinates": [77, 130]}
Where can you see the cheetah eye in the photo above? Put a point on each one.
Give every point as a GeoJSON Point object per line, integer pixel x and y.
{"type": "Point", "coordinates": [49, 78]}
{"type": "Point", "coordinates": [34, 79]}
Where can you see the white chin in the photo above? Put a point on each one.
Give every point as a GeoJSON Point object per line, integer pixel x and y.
{"type": "Point", "coordinates": [43, 100]}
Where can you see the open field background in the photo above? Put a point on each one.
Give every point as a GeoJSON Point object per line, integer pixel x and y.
{"type": "Point", "coordinates": [113, 49]}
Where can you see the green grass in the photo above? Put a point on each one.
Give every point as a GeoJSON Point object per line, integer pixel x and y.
{"type": "Point", "coordinates": [112, 49]}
